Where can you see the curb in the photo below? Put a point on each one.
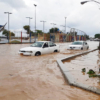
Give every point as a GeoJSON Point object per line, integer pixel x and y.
{"type": "Point", "coordinates": [70, 78]}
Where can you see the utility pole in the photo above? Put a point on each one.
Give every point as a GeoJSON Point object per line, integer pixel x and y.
{"type": "Point", "coordinates": [35, 21]}
{"type": "Point", "coordinates": [29, 28]}
{"type": "Point", "coordinates": [8, 25]}
{"type": "Point", "coordinates": [43, 28]}
{"type": "Point", "coordinates": [83, 2]}
{"type": "Point", "coordinates": [65, 24]}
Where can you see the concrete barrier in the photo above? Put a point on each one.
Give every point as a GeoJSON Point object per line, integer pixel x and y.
{"type": "Point", "coordinates": [71, 80]}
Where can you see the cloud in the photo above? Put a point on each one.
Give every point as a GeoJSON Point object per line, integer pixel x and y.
{"type": "Point", "coordinates": [83, 17]}
{"type": "Point", "coordinates": [14, 3]}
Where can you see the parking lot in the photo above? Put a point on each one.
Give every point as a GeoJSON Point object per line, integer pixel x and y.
{"type": "Point", "coordinates": [37, 77]}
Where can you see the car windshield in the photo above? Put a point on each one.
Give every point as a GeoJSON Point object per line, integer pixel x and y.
{"type": "Point", "coordinates": [77, 43]}
{"type": "Point", "coordinates": [37, 44]}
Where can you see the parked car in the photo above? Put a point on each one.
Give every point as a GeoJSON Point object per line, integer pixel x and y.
{"type": "Point", "coordinates": [78, 45]}
{"type": "Point", "coordinates": [39, 48]}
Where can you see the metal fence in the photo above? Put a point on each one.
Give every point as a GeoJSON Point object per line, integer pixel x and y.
{"type": "Point", "coordinates": [20, 37]}
{"type": "Point", "coordinates": [23, 37]}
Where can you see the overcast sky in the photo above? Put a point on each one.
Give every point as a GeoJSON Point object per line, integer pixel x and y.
{"type": "Point", "coordinates": [83, 17]}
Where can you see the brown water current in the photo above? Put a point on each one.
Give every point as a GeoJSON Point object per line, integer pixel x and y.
{"type": "Point", "coordinates": [39, 78]}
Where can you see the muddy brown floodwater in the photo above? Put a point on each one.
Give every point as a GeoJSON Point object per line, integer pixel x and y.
{"type": "Point", "coordinates": [88, 61]}
{"type": "Point", "coordinates": [37, 78]}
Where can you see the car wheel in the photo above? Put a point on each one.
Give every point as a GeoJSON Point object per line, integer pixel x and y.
{"type": "Point", "coordinates": [37, 53]}
{"type": "Point", "coordinates": [82, 48]}
{"type": "Point", "coordinates": [55, 50]}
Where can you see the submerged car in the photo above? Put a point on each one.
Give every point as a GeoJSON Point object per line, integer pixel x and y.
{"type": "Point", "coordinates": [39, 48]}
{"type": "Point", "coordinates": [78, 45]}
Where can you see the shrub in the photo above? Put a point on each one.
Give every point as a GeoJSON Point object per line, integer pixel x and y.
{"type": "Point", "coordinates": [91, 72]}
{"type": "Point", "coordinates": [83, 70]}
{"type": "Point", "coordinates": [15, 42]}
{"type": "Point", "coordinates": [94, 75]}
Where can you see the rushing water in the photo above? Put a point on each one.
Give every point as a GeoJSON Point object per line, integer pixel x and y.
{"type": "Point", "coordinates": [39, 78]}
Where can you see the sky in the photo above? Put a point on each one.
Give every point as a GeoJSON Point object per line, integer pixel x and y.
{"type": "Point", "coordinates": [83, 17]}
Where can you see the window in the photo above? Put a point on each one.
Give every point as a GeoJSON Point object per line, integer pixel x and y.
{"type": "Point", "coordinates": [77, 43]}
{"type": "Point", "coordinates": [51, 44]}
{"type": "Point", "coordinates": [37, 44]}
{"type": "Point", "coordinates": [45, 45]}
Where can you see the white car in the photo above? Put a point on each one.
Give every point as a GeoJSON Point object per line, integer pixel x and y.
{"type": "Point", "coordinates": [78, 45]}
{"type": "Point", "coordinates": [39, 48]}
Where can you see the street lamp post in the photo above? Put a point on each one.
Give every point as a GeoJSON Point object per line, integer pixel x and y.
{"type": "Point", "coordinates": [8, 25]}
{"type": "Point", "coordinates": [43, 28]}
{"type": "Point", "coordinates": [83, 2]}
{"type": "Point", "coordinates": [35, 21]}
{"type": "Point", "coordinates": [29, 28]}
{"type": "Point", "coordinates": [65, 24]}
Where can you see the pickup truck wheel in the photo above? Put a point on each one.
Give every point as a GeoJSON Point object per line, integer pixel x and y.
{"type": "Point", "coordinates": [37, 53]}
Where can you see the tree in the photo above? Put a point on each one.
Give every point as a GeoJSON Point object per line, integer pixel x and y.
{"type": "Point", "coordinates": [6, 32]}
{"type": "Point", "coordinates": [97, 36]}
{"type": "Point", "coordinates": [39, 31]}
{"type": "Point", "coordinates": [53, 30]}
{"type": "Point", "coordinates": [12, 34]}
{"type": "Point", "coordinates": [26, 27]}
{"type": "Point", "coordinates": [87, 36]}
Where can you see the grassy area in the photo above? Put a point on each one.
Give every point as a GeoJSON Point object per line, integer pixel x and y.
{"type": "Point", "coordinates": [15, 42]}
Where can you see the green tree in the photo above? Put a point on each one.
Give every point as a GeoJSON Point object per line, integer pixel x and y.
{"type": "Point", "coordinates": [53, 30]}
{"type": "Point", "coordinates": [26, 27]}
{"type": "Point", "coordinates": [12, 34]}
{"type": "Point", "coordinates": [6, 32]}
{"type": "Point", "coordinates": [39, 31]}
{"type": "Point", "coordinates": [97, 35]}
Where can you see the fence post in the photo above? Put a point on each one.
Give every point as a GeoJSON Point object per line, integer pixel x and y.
{"type": "Point", "coordinates": [30, 37]}
{"type": "Point", "coordinates": [21, 37]}
{"type": "Point", "coordinates": [10, 36]}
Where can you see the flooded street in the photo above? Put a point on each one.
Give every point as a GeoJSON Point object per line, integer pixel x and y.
{"type": "Point", "coordinates": [39, 78]}
{"type": "Point", "coordinates": [88, 61]}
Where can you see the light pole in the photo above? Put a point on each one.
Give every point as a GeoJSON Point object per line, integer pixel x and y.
{"type": "Point", "coordinates": [83, 2]}
{"type": "Point", "coordinates": [53, 27]}
{"type": "Point", "coordinates": [65, 24]}
{"type": "Point", "coordinates": [35, 21]}
{"type": "Point", "coordinates": [8, 25]}
{"type": "Point", "coordinates": [43, 28]}
{"type": "Point", "coordinates": [29, 28]}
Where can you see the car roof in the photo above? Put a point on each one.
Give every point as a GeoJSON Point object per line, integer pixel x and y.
{"type": "Point", "coordinates": [43, 41]}
{"type": "Point", "coordinates": [79, 41]}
